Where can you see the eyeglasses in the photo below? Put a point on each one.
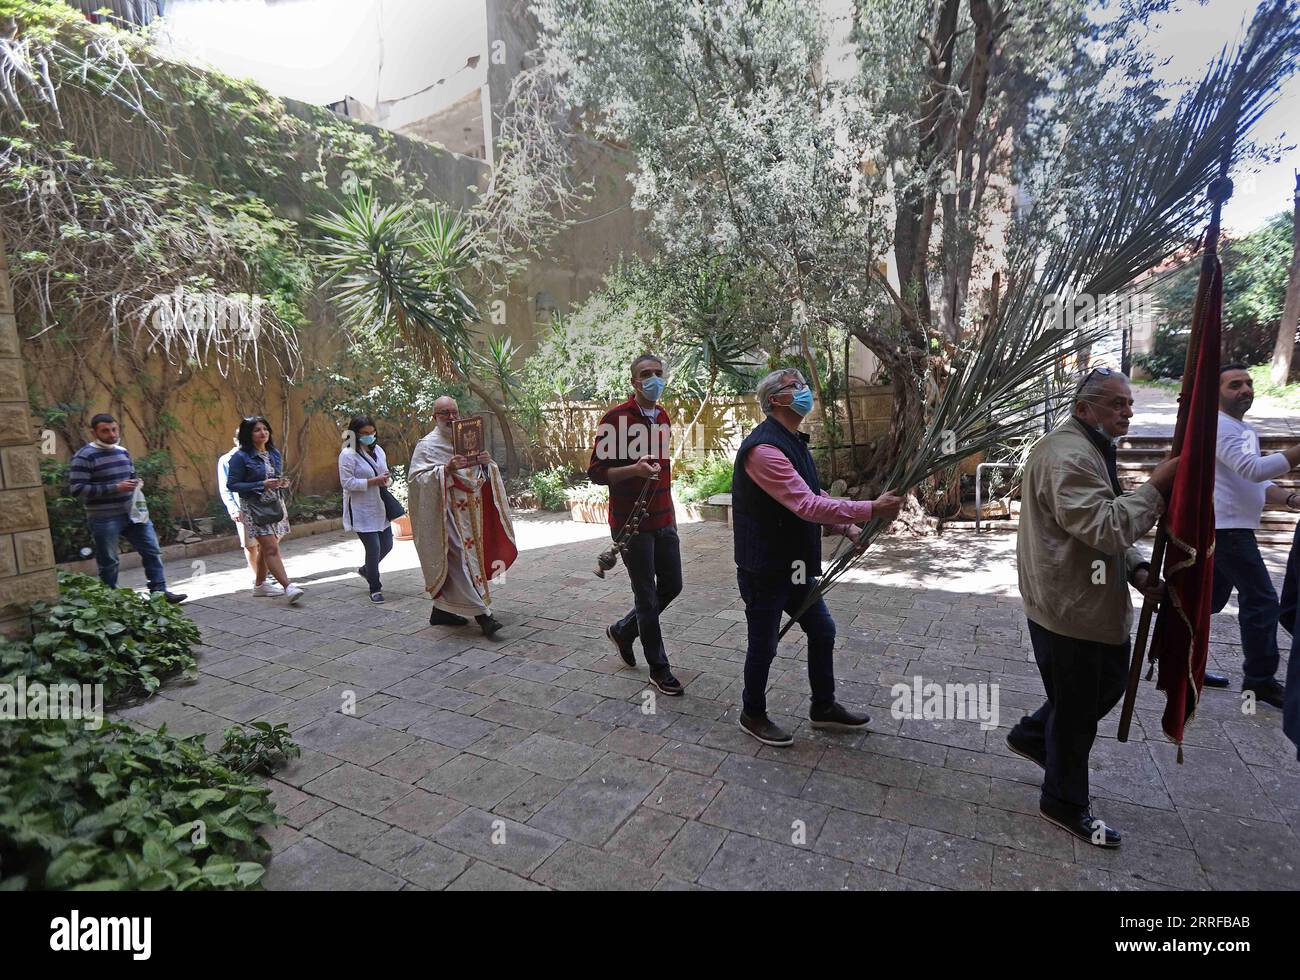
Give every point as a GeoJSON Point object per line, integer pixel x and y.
{"type": "Point", "coordinates": [447, 411]}
{"type": "Point", "coordinates": [797, 386]}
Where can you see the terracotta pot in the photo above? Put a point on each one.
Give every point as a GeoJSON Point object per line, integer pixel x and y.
{"type": "Point", "coordinates": [402, 528]}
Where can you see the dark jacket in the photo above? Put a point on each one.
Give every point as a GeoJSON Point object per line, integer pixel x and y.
{"type": "Point", "coordinates": [769, 537]}
{"type": "Point", "coordinates": [247, 472]}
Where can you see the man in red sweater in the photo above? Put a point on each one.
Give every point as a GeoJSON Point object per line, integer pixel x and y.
{"type": "Point", "coordinates": [631, 448]}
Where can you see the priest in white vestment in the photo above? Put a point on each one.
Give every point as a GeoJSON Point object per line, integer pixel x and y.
{"type": "Point", "coordinates": [461, 522]}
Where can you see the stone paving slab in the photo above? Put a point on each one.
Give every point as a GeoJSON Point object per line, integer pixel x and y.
{"type": "Point", "coordinates": [435, 758]}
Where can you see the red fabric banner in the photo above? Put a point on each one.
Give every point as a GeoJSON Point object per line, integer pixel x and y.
{"type": "Point", "coordinates": [1182, 633]}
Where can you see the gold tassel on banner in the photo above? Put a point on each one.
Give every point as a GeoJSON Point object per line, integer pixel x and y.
{"type": "Point", "coordinates": [1180, 753]}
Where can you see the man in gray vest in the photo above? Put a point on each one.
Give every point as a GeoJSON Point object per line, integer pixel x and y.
{"type": "Point", "coordinates": [779, 515]}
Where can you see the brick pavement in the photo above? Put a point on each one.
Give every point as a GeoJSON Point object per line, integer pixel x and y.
{"type": "Point", "coordinates": [530, 761]}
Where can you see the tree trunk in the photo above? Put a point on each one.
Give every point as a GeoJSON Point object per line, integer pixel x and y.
{"type": "Point", "coordinates": [708, 392]}
{"type": "Point", "coordinates": [1285, 345]}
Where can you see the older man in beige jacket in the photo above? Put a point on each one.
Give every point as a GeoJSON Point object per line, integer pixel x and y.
{"type": "Point", "coordinates": [1076, 560]}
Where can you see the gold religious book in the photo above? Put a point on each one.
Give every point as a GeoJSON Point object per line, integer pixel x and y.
{"type": "Point", "coordinates": [467, 435]}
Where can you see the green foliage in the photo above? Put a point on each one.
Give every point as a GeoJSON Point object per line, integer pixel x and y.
{"type": "Point", "coordinates": [303, 507]}
{"type": "Point", "coordinates": [262, 750]}
{"type": "Point", "coordinates": [118, 809]}
{"type": "Point", "coordinates": [551, 487]}
{"type": "Point", "coordinates": [712, 475]}
{"type": "Point", "coordinates": [114, 808]}
{"type": "Point", "coordinates": [1288, 394]}
{"type": "Point", "coordinates": [688, 312]}
{"type": "Point", "coordinates": [588, 493]}
{"type": "Point", "coordinates": [1254, 292]}
{"type": "Point", "coordinates": [115, 637]}
{"type": "Point", "coordinates": [388, 384]}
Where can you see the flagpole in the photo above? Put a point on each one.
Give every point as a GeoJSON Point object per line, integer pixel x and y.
{"type": "Point", "coordinates": [1220, 190]}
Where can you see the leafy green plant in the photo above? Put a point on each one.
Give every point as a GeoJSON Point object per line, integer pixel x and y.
{"type": "Point", "coordinates": [550, 487]}
{"type": "Point", "coordinates": [712, 475]}
{"type": "Point", "coordinates": [261, 750]}
{"type": "Point", "coordinates": [588, 493]}
{"type": "Point", "coordinates": [115, 637]}
{"type": "Point", "coordinates": [305, 507]}
{"type": "Point", "coordinates": [117, 809]}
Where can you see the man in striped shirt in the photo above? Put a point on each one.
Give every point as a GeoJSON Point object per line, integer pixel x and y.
{"type": "Point", "coordinates": [631, 448]}
{"type": "Point", "coordinates": [103, 476]}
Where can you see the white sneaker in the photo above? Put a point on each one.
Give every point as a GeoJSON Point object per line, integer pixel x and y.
{"type": "Point", "coordinates": [292, 594]}
{"type": "Point", "coordinates": [268, 589]}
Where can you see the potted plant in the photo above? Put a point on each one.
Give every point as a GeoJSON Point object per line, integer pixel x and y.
{"type": "Point", "coordinates": [588, 502]}
{"type": "Point", "coordinates": [398, 487]}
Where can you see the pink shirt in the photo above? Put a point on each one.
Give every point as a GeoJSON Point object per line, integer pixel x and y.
{"type": "Point", "coordinates": [768, 467]}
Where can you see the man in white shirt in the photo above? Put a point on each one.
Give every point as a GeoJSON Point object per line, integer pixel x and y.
{"type": "Point", "coordinates": [1243, 483]}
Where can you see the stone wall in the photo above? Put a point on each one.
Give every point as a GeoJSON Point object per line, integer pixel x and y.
{"type": "Point", "coordinates": [26, 553]}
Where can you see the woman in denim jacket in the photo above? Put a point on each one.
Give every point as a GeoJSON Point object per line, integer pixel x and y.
{"type": "Point", "coordinates": [256, 472]}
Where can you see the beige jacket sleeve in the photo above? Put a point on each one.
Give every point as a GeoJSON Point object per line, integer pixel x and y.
{"type": "Point", "coordinates": [1084, 506]}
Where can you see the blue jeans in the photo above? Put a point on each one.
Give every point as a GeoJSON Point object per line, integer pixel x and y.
{"type": "Point", "coordinates": [766, 598]}
{"type": "Point", "coordinates": [106, 530]}
{"type": "Point", "coordinates": [1238, 564]}
{"type": "Point", "coordinates": [654, 566]}
{"type": "Point", "coordinates": [377, 544]}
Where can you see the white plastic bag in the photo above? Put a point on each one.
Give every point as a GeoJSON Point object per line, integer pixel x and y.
{"type": "Point", "coordinates": [139, 508]}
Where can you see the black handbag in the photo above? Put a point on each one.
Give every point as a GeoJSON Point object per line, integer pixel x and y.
{"type": "Point", "coordinates": [263, 510]}
{"type": "Point", "coordinates": [266, 507]}
{"type": "Point", "coordinates": [393, 508]}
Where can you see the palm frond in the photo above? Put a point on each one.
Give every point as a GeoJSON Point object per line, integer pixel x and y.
{"type": "Point", "coordinates": [1003, 387]}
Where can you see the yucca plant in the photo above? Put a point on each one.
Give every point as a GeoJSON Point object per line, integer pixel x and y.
{"type": "Point", "coordinates": [711, 339]}
{"type": "Point", "coordinates": [1011, 378]}
{"type": "Point", "coordinates": [397, 273]}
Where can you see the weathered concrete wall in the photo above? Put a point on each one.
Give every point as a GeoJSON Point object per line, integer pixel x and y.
{"type": "Point", "coordinates": [26, 553]}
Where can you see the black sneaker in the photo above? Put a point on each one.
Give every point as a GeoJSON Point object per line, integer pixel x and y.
{"type": "Point", "coordinates": [766, 732]}
{"type": "Point", "coordinates": [1021, 748]}
{"type": "Point", "coordinates": [440, 617]}
{"type": "Point", "coordinates": [667, 683]}
{"type": "Point", "coordinates": [1270, 692]}
{"type": "Point", "coordinates": [176, 598]}
{"type": "Point", "coordinates": [1087, 828]}
{"type": "Point", "coordinates": [837, 718]}
{"type": "Point", "coordinates": [376, 597]}
{"type": "Point", "coordinates": [1216, 680]}
{"type": "Point", "coordinates": [624, 649]}
{"type": "Point", "coordinates": [487, 624]}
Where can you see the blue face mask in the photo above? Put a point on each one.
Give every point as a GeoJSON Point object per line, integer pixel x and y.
{"type": "Point", "coordinates": [652, 388]}
{"type": "Point", "coordinates": [367, 440]}
{"type": "Point", "coordinates": [803, 401]}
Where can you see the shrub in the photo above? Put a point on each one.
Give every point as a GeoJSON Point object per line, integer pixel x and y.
{"type": "Point", "coordinates": [550, 487]}
{"type": "Point", "coordinates": [114, 808]}
{"type": "Point", "coordinates": [114, 637]}
{"type": "Point", "coordinates": [710, 476]}
{"type": "Point", "coordinates": [118, 809]}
